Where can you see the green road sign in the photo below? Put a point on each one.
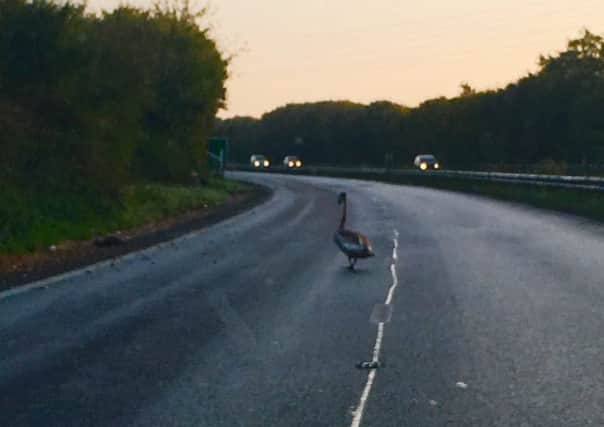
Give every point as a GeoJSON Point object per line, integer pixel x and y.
{"type": "Point", "coordinates": [218, 154]}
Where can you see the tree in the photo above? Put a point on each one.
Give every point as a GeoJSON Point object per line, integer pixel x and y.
{"type": "Point", "coordinates": [92, 103]}
{"type": "Point", "coordinates": [466, 90]}
{"type": "Point", "coordinates": [554, 114]}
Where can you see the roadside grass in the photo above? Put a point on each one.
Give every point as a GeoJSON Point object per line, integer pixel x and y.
{"type": "Point", "coordinates": [581, 202]}
{"type": "Point", "coordinates": [30, 222]}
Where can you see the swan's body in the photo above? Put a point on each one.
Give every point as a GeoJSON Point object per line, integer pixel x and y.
{"type": "Point", "coordinates": [352, 243]}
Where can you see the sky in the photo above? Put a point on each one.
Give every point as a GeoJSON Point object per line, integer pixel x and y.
{"type": "Point", "coordinates": [404, 51]}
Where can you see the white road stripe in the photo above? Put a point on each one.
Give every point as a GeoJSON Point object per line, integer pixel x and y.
{"type": "Point", "coordinates": [378, 343]}
{"type": "Point", "coordinates": [394, 284]}
{"type": "Point", "coordinates": [377, 348]}
{"type": "Point", "coordinates": [358, 413]}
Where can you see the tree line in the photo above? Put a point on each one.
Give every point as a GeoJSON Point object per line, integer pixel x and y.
{"type": "Point", "coordinates": [553, 117]}
{"type": "Point", "coordinates": [94, 102]}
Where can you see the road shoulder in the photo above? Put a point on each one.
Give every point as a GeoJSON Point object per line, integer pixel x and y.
{"type": "Point", "coordinates": [80, 254]}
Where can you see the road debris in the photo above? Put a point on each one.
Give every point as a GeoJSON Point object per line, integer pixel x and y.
{"type": "Point", "coordinates": [374, 364]}
{"type": "Point", "coordinates": [110, 240]}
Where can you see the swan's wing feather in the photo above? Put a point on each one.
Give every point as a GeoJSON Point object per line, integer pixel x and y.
{"type": "Point", "coordinates": [352, 236]}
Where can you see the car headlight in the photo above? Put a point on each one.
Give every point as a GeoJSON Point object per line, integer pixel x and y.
{"type": "Point", "coordinates": [290, 164]}
{"type": "Point", "coordinates": [423, 166]}
{"type": "Point", "coordinates": [436, 166]}
{"type": "Point", "coordinates": [267, 163]}
{"type": "Point", "coordinates": [256, 163]}
{"type": "Point", "coordinates": [298, 164]}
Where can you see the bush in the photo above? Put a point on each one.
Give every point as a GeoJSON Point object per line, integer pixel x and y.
{"type": "Point", "coordinates": [92, 104]}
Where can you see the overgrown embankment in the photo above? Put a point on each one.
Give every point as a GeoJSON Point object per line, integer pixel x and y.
{"type": "Point", "coordinates": [37, 221]}
{"type": "Point", "coordinates": [104, 118]}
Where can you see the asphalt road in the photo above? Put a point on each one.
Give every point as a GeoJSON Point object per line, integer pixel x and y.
{"type": "Point", "coordinates": [497, 320]}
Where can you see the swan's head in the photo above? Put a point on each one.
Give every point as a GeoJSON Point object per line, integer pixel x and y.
{"type": "Point", "coordinates": [341, 198]}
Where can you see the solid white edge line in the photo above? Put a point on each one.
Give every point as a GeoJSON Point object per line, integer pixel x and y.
{"type": "Point", "coordinates": [377, 348]}
{"type": "Point", "coordinates": [96, 266]}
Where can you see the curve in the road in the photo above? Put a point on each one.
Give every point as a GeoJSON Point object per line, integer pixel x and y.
{"type": "Point", "coordinates": [257, 321]}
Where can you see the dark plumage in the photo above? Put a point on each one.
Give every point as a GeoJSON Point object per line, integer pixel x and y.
{"type": "Point", "coordinates": [352, 243]}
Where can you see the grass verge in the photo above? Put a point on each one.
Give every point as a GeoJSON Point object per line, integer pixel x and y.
{"type": "Point", "coordinates": [29, 222]}
{"type": "Point", "coordinates": [581, 202]}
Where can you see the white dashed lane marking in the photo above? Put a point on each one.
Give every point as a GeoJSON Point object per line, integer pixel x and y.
{"type": "Point", "coordinates": [377, 348]}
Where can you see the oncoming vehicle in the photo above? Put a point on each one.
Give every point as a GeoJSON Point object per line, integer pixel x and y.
{"type": "Point", "coordinates": [292, 162]}
{"type": "Point", "coordinates": [426, 161]}
{"type": "Point", "coordinates": [259, 161]}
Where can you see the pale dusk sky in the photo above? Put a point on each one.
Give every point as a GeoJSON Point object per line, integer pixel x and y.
{"type": "Point", "coordinates": [399, 50]}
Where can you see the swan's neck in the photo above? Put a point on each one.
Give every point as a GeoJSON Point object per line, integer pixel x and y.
{"type": "Point", "coordinates": [343, 220]}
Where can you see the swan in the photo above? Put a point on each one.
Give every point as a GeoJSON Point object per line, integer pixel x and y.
{"type": "Point", "coordinates": [352, 243]}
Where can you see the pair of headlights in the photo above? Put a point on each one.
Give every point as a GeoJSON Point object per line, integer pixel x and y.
{"type": "Point", "coordinates": [266, 163]}
{"type": "Point", "coordinates": [424, 166]}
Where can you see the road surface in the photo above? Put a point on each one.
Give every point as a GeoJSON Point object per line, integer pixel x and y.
{"type": "Point", "coordinates": [497, 313]}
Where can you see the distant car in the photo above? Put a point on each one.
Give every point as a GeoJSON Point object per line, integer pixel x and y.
{"type": "Point", "coordinates": [426, 161]}
{"type": "Point", "coordinates": [292, 162]}
{"type": "Point", "coordinates": [259, 161]}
